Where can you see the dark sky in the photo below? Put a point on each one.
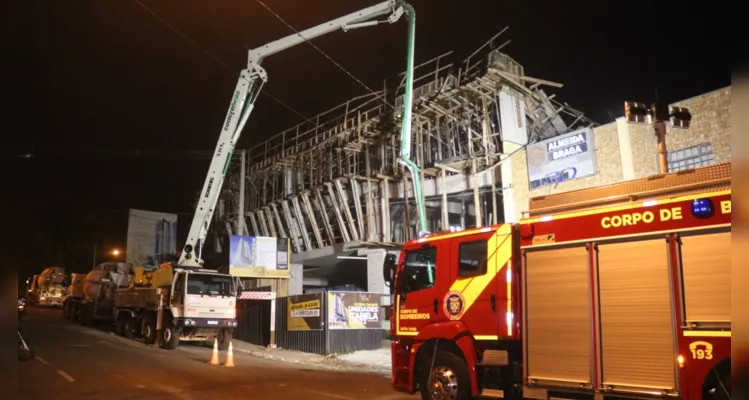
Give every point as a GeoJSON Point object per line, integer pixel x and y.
{"type": "Point", "coordinates": [91, 82]}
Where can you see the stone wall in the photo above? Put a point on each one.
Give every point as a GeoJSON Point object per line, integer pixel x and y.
{"type": "Point", "coordinates": [711, 123]}
{"type": "Point", "coordinates": [629, 151]}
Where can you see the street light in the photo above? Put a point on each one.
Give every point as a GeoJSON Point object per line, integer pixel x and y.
{"type": "Point", "coordinates": [115, 252]}
{"type": "Point", "coordinates": [640, 113]}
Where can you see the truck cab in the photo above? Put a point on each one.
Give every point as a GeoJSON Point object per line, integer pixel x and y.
{"type": "Point", "coordinates": [202, 305]}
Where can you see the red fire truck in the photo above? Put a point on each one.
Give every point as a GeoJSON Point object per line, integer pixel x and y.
{"type": "Point", "coordinates": [620, 291]}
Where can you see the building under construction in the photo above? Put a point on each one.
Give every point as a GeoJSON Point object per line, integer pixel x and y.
{"type": "Point", "coordinates": [486, 137]}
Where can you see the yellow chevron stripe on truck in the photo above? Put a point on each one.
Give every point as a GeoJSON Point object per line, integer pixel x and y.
{"type": "Point", "coordinates": [500, 253]}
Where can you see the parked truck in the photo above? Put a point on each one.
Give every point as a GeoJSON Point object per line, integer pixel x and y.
{"type": "Point", "coordinates": [194, 304]}
{"type": "Point", "coordinates": [48, 288]}
{"type": "Point", "coordinates": [620, 291]}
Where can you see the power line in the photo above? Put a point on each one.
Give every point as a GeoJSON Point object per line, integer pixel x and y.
{"type": "Point", "coordinates": [324, 54]}
{"type": "Point", "coordinates": [214, 58]}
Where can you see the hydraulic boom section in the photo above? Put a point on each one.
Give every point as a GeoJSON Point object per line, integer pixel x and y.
{"type": "Point", "coordinates": [248, 87]}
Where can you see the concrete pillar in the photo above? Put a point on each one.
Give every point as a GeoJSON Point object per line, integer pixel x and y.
{"type": "Point", "coordinates": [625, 149]}
{"type": "Point", "coordinates": [511, 211]}
{"type": "Point", "coordinates": [376, 281]}
{"type": "Point", "coordinates": [296, 279]}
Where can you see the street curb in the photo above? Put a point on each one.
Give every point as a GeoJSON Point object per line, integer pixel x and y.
{"type": "Point", "coordinates": [341, 365]}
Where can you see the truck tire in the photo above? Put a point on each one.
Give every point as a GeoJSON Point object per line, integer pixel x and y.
{"type": "Point", "coordinates": [69, 310]}
{"type": "Point", "coordinates": [170, 336]}
{"type": "Point", "coordinates": [88, 315]}
{"type": "Point", "coordinates": [119, 328]}
{"type": "Point", "coordinates": [132, 330]}
{"type": "Point", "coordinates": [224, 338]}
{"type": "Point", "coordinates": [448, 378]}
{"type": "Point", "coordinates": [149, 329]}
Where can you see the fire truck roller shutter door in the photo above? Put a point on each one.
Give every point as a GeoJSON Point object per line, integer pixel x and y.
{"type": "Point", "coordinates": [637, 325]}
{"type": "Point", "coordinates": [559, 334]}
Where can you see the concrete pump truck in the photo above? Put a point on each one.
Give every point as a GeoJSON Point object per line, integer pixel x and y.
{"type": "Point", "coordinates": [187, 302]}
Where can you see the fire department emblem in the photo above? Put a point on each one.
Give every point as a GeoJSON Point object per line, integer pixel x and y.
{"type": "Point", "coordinates": [454, 305]}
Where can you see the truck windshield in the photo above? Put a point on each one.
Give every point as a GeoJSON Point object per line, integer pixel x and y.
{"type": "Point", "coordinates": [418, 270]}
{"type": "Point", "coordinates": [210, 285]}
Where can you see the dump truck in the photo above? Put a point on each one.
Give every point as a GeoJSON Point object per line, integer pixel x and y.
{"type": "Point", "coordinates": [621, 291]}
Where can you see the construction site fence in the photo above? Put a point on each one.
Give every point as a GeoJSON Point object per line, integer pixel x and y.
{"type": "Point", "coordinates": [254, 324]}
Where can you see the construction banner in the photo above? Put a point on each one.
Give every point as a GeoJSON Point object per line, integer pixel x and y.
{"type": "Point", "coordinates": [259, 257]}
{"type": "Point", "coordinates": [304, 312]}
{"type": "Point", "coordinates": [354, 310]}
{"type": "Point", "coordinates": [151, 238]}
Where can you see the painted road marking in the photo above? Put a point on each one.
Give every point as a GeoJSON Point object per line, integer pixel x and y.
{"type": "Point", "coordinates": [41, 360]}
{"type": "Point", "coordinates": [335, 396]}
{"type": "Point", "coordinates": [65, 375]}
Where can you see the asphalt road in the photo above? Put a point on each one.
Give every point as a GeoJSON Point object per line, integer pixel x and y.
{"type": "Point", "coordinates": [74, 362]}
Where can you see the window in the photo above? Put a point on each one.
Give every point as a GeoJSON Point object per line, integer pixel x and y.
{"type": "Point", "coordinates": [472, 258]}
{"type": "Point", "coordinates": [692, 157]}
{"type": "Point", "coordinates": [178, 293]}
{"type": "Point", "coordinates": [419, 270]}
{"type": "Point", "coordinates": [210, 285]}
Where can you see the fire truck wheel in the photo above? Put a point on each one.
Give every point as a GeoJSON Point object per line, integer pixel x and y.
{"type": "Point", "coordinates": [149, 329]}
{"type": "Point", "coordinates": [224, 337]}
{"type": "Point", "coordinates": [66, 310]}
{"type": "Point", "coordinates": [717, 386]}
{"type": "Point", "coordinates": [447, 380]}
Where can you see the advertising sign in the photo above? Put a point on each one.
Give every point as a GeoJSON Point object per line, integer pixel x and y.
{"type": "Point", "coordinates": [304, 312]}
{"type": "Point", "coordinates": [561, 158]}
{"type": "Point", "coordinates": [258, 256]}
{"type": "Point", "coordinates": [354, 310]}
{"type": "Point", "coordinates": [151, 237]}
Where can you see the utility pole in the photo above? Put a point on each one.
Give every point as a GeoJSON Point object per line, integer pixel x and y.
{"type": "Point", "coordinates": [678, 117]}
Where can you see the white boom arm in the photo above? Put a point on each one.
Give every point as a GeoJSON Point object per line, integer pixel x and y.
{"type": "Point", "coordinates": [248, 87]}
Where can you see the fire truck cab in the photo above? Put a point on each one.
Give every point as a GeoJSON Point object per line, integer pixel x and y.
{"type": "Point", "coordinates": [620, 291]}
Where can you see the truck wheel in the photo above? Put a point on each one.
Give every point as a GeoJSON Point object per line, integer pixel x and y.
{"type": "Point", "coordinates": [69, 311]}
{"type": "Point", "coordinates": [78, 313]}
{"type": "Point", "coordinates": [224, 338]}
{"type": "Point", "coordinates": [131, 330]}
{"type": "Point", "coordinates": [149, 329]}
{"type": "Point", "coordinates": [717, 386]}
{"type": "Point", "coordinates": [74, 312]}
{"type": "Point", "coordinates": [119, 328]}
{"type": "Point", "coordinates": [448, 378]}
{"type": "Point", "coordinates": [88, 315]}
{"type": "Point", "coordinates": [170, 336]}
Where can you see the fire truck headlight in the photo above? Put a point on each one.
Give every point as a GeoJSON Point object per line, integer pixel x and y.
{"type": "Point", "coordinates": [680, 360]}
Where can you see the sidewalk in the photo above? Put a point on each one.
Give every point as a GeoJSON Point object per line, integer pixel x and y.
{"type": "Point", "coordinates": [369, 361]}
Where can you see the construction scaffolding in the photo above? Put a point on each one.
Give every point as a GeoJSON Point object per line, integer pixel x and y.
{"type": "Point", "coordinates": [337, 180]}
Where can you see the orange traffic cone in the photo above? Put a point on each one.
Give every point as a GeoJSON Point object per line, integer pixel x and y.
{"type": "Point", "coordinates": [214, 356]}
{"type": "Point", "coordinates": [230, 356]}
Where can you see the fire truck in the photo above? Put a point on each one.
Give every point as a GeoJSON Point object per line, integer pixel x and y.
{"type": "Point", "coordinates": [620, 291]}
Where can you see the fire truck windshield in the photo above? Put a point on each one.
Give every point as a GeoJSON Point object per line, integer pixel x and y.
{"type": "Point", "coordinates": [418, 270]}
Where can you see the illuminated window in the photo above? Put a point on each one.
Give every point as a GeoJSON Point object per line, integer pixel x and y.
{"type": "Point", "coordinates": [692, 157]}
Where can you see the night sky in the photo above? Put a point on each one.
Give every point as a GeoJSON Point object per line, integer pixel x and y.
{"type": "Point", "coordinates": [93, 83]}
